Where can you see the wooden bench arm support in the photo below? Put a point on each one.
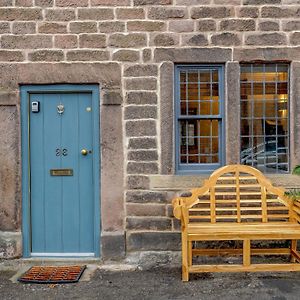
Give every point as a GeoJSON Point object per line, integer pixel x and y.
{"type": "Point", "coordinates": [296, 210]}
{"type": "Point", "coordinates": [183, 203]}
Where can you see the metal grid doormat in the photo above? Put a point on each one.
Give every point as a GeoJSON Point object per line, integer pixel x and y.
{"type": "Point", "coordinates": [53, 274]}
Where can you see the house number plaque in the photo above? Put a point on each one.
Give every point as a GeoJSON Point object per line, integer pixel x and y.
{"type": "Point", "coordinates": [61, 172]}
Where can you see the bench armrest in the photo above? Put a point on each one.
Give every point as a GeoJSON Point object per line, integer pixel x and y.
{"type": "Point", "coordinates": [296, 209]}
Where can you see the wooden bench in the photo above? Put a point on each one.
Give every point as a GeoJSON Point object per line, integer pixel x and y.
{"type": "Point", "coordinates": [237, 203]}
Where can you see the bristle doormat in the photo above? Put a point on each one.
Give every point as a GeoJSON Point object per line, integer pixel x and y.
{"type": "Point", "coordinates": [53, 274]}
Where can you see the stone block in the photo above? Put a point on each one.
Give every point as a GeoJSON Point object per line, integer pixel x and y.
{"type": "Point", "coordinates": [9, 169]}
{"type": "Point", "coordinates": [20, 14]}
{"type": "Point", "coordinates": [44, 3]}
{"type": "Point", "coordinates": [295, 38]}
{"type": "Point", "coordinates": [23, 27]}
{"type": "Point", "coordinates": [66, 41]}
{"type": "Point", "coordinates": [126, 55]}
{"type": "Point", "coordinates": [142, 143]}
{"type": "Point", "coordinates": [151, 2]}
{"type": "Point", "coordinates": [146, 197]}
{"type": "Point", "coordinates": [110, 2]}
{"type": "Point", "coordinates": [237, 25]}
{"type": "Point", "coordinates": [192, 55]}
{"type": "Point", "coordinates": [10, 245]}
{"type": "Point", "coordinates": [95, 14]}
{"type": "Point", "coordinates": [166, 123]}
{"type": "Point", "coordinates": [111, 26]}
{"type": "Point", "coordinates": [147, 55]}
{"type": "Point", "coordinates": [136, 209]}
{"type": "Point", "coordinates": [291, 25]}
{"type": "Point", "coordinates": [140, 128]}
{"type": "Point", "coordinates": [227, 2]}
{"type": "Point", "coordinates": [216, 12]}
{"type": "Point", "coordinates": [268, 26]}
{"type": "Point", "coordinates": [141, 83]}
{"type": "Point", "coordinates": [140, 70]}
{"type": "Point", "coordinates": [134, 182]}
{"type": "Point", "coordinates": [260, 2]}
{"type": "Point", "coordinates": [4, 3]}
{"type": "Point", "coordinates": [206, 25]}
{"type": "Point", "coordinates": [247, 12]}
{"type": "Point", "coordinates": [164, 39]}
{"type": "Point", "coordinates": [131, 40]}
{"type": "Point", "coordinates": [147, 26]}
{"type": "Point", "coordinates": [226, 39]}
{"type": "Point", "coordinates": [59, 14]}
{"type": "Point", "coordinates": [112, 162]}
{"type": "Point", "coordinates": [71, 3]}
{"type": "Point", "coordinates": [50, 27]}
{"type": "Point", "coordinates": [141, 98]}
{"type": "Point", "coordinates": [130, 13]}
{"type": "Point", "coordinates": [46, 55]}
{"type": "Point", "coordinates": [140, 112]}
{"type": "Point", "coordinates": [232, 111]}
{"type": "Point", "coordinates": [83, 27]}
{"type": "Point", "coordinates": [163, 13]}
{"type": "Point", "coordinates": [181, 25]}
{"type": "Point", "coordinates": [22, 41]}
{"type": "Point", "coordinates": [4, 27]}
{"type": "Point", "coordinates": [192, 2]}
{"type": "Point", "coordinates": [148, 223]}
{"type": "Point", "coordinates": [112, 245]}
{"type": "Point", "coordinates": [92, 40]}
{"type": "Point", "coordinates": [87, 55]}
{"type": "Point", "coordinates": [112, 97]}
{"type": "Point", "coordinates": [270, 39]}
{"type": "Point", "coordinates": [266, 54]}
{"type": "Point", "coordinates": [142, 168]}
{"type": "Point", "coordinates": [194, 40]}
{"type": "Point", "coordinates": [106, 73]}
{"type": "Point", "coordinates": [156, 241]}
{"type": "Point", "coordinates": [143, 155]}
{"type": "Point", "coordinates": [11, 55]}
{"type": "Point", "coordinates": [279, 12]}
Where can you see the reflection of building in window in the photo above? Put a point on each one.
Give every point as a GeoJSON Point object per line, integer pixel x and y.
{"type": "Point", "coordinates": [264, 116]}
{"type": "Point", "coordinates": [199, 120]}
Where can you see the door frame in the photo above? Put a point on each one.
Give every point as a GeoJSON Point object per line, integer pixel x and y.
{"type": "Point", "coordinates": [25, 91]}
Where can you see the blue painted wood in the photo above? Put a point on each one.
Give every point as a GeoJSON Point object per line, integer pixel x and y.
{"type": "Point", "coordinates": [64, 210]}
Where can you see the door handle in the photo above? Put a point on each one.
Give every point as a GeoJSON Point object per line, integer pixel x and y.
{"type": "Point", "coordinates": [84, 152]}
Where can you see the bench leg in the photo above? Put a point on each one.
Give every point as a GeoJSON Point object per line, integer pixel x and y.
{"type": "Point", "coordinates": [246, 253]}
{"type": "Point", "coordinates": [293, 247]}
{"type": "Point", "coordinates": [185, 260]}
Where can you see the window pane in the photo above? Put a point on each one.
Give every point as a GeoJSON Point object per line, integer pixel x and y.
{"type": "Point", "coordinates": [264, 116]}
{"type": "Point", "coordinates": [198, 138]}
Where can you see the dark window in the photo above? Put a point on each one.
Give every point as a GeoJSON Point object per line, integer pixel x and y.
{"type": "Point", "coordinates": [265, 116]}
{"type": "Point", "coordinates": [199, 106]}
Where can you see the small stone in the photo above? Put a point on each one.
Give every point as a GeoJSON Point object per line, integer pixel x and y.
{"type": "Point", "coordinates": [126, 55]}
{"type": "Point", "coordinates": [140, 70]}
{"type": "Point", "coordinates": [141, 98]}
{"type": "Point", "coordinates": [226, 39]}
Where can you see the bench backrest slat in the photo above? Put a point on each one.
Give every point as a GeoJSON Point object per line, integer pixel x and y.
{"type": "Point", "coordinates": [239, 194]}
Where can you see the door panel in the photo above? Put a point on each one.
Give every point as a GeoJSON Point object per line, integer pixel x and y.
{"type": "Point", "coordinates": [62, 207]}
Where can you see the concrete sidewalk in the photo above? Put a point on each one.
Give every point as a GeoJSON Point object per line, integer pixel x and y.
{"type": "Point", "coordinates": [129, 282]}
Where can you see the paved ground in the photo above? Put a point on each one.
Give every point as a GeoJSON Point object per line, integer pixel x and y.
{"type": "Point", "coordinates": [159, 283]}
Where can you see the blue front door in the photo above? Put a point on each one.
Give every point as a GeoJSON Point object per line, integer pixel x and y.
{"type": "Point", "coordinates": [61, 154]}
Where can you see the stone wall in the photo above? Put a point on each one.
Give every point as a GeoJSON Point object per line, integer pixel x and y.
{"type": "Point", "coordinates": [143, 39]}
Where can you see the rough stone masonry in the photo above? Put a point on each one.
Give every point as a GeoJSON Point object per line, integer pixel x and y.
{"type": "Point", "coordinates": [130, 47]}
